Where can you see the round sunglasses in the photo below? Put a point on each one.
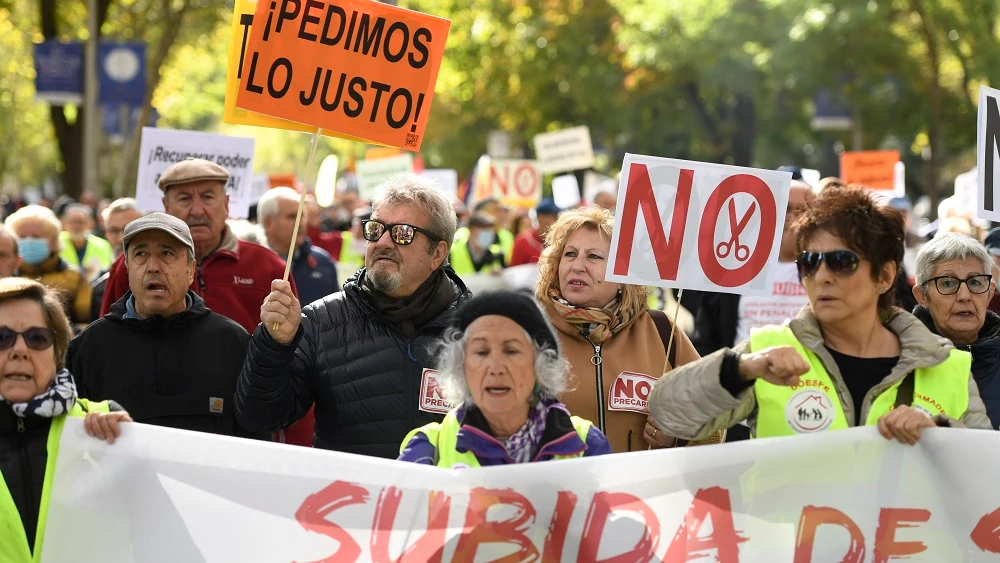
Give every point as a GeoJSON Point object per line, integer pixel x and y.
{"type": "Point", "coordinates": [840, 262]}
{"type": "Point", "coordinates": [36, 337]}
{"type": "Point", "coordinates": [400, 233]}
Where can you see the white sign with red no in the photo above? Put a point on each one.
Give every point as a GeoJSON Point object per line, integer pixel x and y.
{"type": "Point", "coordinates": [700, 226]}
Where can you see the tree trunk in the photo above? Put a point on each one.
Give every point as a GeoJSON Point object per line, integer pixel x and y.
{"type": "Point", "coordinates": [745, 120]}
{"type": "Point", "coordinates": [934, 124]}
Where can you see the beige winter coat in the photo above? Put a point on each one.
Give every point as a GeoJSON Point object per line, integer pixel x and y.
{"type": "Point", "coordinates": [690, 403]}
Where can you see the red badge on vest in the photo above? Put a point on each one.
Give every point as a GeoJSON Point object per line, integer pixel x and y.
{"type": "Point", "coordinates": [431, 395]}
{"type": "Point", "coordinates": [630, 391]}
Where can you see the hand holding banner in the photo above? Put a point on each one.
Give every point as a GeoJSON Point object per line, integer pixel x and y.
{"type": "Point", "coordinates": [725, 225]}
{"type": "Point", "coordinates": [355, 67]}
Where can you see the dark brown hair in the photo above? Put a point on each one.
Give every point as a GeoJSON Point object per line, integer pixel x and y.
{"type": "Point", "coordinates": [853, 215]}
{"type": "Point", "coordinates": [12, 289]}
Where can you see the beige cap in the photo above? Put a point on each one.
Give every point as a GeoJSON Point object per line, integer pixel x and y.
{"type": "Point", "coordinates": [192, 170]}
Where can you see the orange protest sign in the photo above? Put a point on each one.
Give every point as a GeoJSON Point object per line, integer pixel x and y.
{"type": "Point", "coordinates": [243, 14]}
{"type": "Point", "coordinates": [357, 67]}
{"type": "Point", "coordinates": [873, 169]}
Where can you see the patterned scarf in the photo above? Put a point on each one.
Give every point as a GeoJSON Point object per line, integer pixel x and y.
{"type": "Point", "coordinates": [522, 446]}
{"type": "Point", "coordinates": [56, 401]}
{"type": "Point", "coordinates": [598, 324]}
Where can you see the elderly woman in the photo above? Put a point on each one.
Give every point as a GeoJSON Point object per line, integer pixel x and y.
{"type": "Point", "coordinates": [954, 287]}
{"type": "Point", "coordinates": [37, 229]}
{"type": "Point", "coordinates": [501, 366]}
{"type": "Point", "coordinates": [612, 339]}
{"type": "Point", "coordinates": [850, 358]}
{"type": "Point", "coordinates": [36, 396]}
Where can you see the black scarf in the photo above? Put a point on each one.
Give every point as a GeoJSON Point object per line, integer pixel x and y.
{"type": "Point", "coordinates": [410, 313]}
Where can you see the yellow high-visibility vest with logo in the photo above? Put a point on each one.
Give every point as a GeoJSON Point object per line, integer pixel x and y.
{"type": "Point", "coordinates": [814, 406]}
{"type": "Point", "coordinates": [461, 260]}
{"type": "Point", "coordinates": [444, 435]}
{"type": "Point", "coordinates": [13, 540]}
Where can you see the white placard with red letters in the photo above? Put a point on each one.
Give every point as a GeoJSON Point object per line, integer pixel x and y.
{"type": "Point", "coordinates": [694, 225]}
{"type": "Point", "coordinates": [431, 395]}
{"type": "Point", "coordinates": [515, 182]}
{"type": "Point", "coordinates": [159, 494]}
{"type": "Point", "coordinates": [630, 391]}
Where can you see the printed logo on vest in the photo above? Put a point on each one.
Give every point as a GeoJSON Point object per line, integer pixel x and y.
{"type": "Point", "coordinates": [242, 281]}
{"type": "Point", "coordinates": [809, 410]}
{"type": "Point", "coordinates": [431, 395]}
{"type": "Point", "coordinates": [215, 405]}
{"type": "Point", "coordinates": [630, 391]}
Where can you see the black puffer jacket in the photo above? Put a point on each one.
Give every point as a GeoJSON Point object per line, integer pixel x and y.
{"type": "Point", "coordinates": [178, 372]}
{"type": "Point", "coordinates": [985, 359]}
{"type": "Point", "coordinates": [362, 373]}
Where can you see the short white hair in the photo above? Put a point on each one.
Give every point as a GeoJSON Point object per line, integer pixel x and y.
{"type": "Point", "coordinates": [119, 205]}
{"type": "Point", "coordinates": [551, 369]}
{"type": "Point", "coordinates": [949, 246]}
{"type": "Point", "coordinates": [267, 205]}
{"type": "Point", "coordinates": [35, 213]}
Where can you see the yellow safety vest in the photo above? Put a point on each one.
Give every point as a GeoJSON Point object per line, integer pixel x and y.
{"type": "Point", "coordinates": [13, 540]}
{"type": "Point", "coordinates": [814, 406]}
{"type": "Point", "coordinates": [347, 255]}
{"type": "Point", "coordinates": [460, 258]}
{"type": "Point", "coordinates": [505, 239]}
{"type": "Point", "coordinates": [444, 435]}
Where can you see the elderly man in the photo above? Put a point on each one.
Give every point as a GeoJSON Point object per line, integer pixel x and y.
{"type": "Point", "coordinates": [954, 285]}
{"type": "Point", "coordinates": [232, 276]}
{"type": "Point", "coordinates": [10, 260]}
{"type": "Point", "coordinates": [361, 355]}
{"type": "Point", "coordinates": [115, 216]}
{"type": "Point", "coordinates": [160, 352]}
{"type": "Point", "coordinates": [314, 272]}
{"type": "Point", "coordinates": [81, 249]}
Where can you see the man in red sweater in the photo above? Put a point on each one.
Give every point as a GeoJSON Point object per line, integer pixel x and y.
{"type": "Point", "coordinates": [232, 276]}
{"type": "Point", "coordinates": [529, 244]}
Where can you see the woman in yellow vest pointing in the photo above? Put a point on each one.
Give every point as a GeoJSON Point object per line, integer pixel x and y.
{"type": "Point", "coordinates": [850, 358]}
{"type": "Point", "coordinates": [502, 368]}
{"type": "Point", "coordinates": [36, 396]}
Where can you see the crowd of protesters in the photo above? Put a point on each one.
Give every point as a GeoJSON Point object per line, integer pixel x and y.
{"type": "Point", "coordinates": [181, 319]}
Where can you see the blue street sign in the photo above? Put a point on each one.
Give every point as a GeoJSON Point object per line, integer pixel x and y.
{"type": "Point", "coordinates": [833, 112]}
{"type": "Point", "coordinates": [122, 71]}
{"type": "Point", "coordinates": [112, 123]}
{"type": "Point", "coordinates": [59, 72]}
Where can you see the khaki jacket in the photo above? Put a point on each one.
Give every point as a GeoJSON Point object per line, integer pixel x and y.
{"type": "Point", "coordinates": [637, 349]}
{"type": "Point", "coordinates": [691, 403]}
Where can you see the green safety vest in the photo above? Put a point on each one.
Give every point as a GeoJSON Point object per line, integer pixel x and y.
{"type": "Point", "coordinates": [347, 254]}
{"type": "Point", "coordinates": [505, 239]}
{"type": "Point", "coordinates": [461, 259]}
{"type": "Point", "coordinates": [444, 435]}
{"type": "Point", "coordinates": [99, 253]}
{"type": "Point", "coordinates": [814, 406]}
{"type": "Point", "coordinates": [13, 540]}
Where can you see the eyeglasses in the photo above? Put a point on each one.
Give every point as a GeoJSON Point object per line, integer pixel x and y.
{"type": "Point", "coordinates": [949, 285]}
{"type": "Point", "coordinates": [36, 337]}
{"type": "Point", "coordinates": [840, 262]}
{"type": "Point", "coordinates": [400, 233]}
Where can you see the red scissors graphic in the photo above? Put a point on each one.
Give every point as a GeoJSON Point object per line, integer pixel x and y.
{"type": "Point", "coordinates": [740, 251]}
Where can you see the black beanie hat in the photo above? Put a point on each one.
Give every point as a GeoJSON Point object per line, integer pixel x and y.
{"type": "Point", "coordinates": [517, 307]}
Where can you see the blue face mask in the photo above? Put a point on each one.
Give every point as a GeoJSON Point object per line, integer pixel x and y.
{"type": "Point", "coordinates": [33, 251]}
{"type": "Point", "coordinates": [484, 239]}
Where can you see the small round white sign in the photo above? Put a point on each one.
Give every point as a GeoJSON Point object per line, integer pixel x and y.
{"type": "Point", "coordinates": [121, 65]}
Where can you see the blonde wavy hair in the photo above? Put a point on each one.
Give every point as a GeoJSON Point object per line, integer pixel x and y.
{"type": "Point", "coordinates": [633, 300]}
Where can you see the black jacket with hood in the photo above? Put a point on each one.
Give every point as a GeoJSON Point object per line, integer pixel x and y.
{"type": "Point", "coordinates": [178, 372]}
{"type": "Point", "coordinates": [985, 359]}
{"type": "Point", "coordinates": [360, 370]}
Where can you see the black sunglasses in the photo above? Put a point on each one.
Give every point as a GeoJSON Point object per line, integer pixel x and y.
{"type": "Point", "coordinates": [840, 262]}
{"type": "Point", "coordinates": [401, 233]}
{"type": "Point", "coordinates": [36, 337]}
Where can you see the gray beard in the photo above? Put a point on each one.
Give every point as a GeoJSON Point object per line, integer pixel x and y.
{"type": "Point", "coordinates": [385, 282]}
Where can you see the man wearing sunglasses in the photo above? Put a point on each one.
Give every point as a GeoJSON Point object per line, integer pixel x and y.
{"type": "Point", "coordinates": [161, 352]}
{"type": "Point", "coordinates": [360, 355]}
{"type": "Point", "coordinates": [954, 287]}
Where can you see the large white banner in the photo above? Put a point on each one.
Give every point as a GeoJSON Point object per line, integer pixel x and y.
{"type": "Point", "coordinates": [988, 154]}
{"type": "Point", "coordinates": [161, 495]}
{"type": "Point", "coordinates": [160, 148]}
{"type": "Point", "coordinates": [564, 151]}
{"type": "Point", "coordinates": [700, 226]}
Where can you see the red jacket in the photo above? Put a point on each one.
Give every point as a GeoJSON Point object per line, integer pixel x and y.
{"type": "Point", "coordinates": [527, 248]}
{"type": "Point", "coordinates": [330, 242]}
{"type": "Point", "coordinates": [234, 281]}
